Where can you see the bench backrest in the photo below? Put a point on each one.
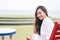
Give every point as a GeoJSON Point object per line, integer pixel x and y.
{"type": "Point", "coordinates": [56, 32]}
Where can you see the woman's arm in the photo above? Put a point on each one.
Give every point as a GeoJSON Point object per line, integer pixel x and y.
{"type": "Point", "coordinates": [35, 35]}
{"type": "Point", "coordinates": [34, 28]}
{"type": "Point", "coordinates": [50, 26]}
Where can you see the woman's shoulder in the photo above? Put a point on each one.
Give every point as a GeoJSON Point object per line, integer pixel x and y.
{"type": "Point", "coordinates": [48, 20]}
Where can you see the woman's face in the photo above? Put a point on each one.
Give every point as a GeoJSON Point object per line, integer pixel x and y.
{"type": "Point", "coordinates": [40, 14]}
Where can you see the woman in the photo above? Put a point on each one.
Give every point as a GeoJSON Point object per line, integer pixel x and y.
{"type": "Point", "coordinates": [43, 25]}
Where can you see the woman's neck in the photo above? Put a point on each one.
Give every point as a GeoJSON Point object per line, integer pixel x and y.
{"type": "Point", "coordinates": [45, 17]}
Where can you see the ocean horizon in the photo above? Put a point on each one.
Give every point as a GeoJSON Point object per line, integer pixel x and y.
{"type": "Point", "coordinates": [54, 14]}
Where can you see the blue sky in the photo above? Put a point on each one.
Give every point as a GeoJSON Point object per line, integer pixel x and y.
{"type": "Point", "coordinates": [8, 7]}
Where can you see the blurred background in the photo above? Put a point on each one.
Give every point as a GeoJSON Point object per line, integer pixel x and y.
{"type": "Point", "coordinates": [19, 14]}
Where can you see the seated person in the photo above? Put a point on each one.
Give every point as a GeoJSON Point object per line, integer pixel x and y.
{"type": "Point", "coordinates": [43, 25]}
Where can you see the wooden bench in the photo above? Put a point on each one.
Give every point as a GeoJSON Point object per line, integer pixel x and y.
{"type": "Point", "coordinates": [56, 32]}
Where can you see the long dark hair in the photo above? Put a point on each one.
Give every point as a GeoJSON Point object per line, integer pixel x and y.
{"type": "Point", "coordinates": [38, 22]}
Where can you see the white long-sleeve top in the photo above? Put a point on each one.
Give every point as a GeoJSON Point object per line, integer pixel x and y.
{"type": "Point", "coordinates": [46, 30]}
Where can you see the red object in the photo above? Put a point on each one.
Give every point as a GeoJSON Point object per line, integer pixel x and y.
{"type": "Point", "coordinates": [56, 32]}
{"type": "Point", "coordinates": [28, 38]}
